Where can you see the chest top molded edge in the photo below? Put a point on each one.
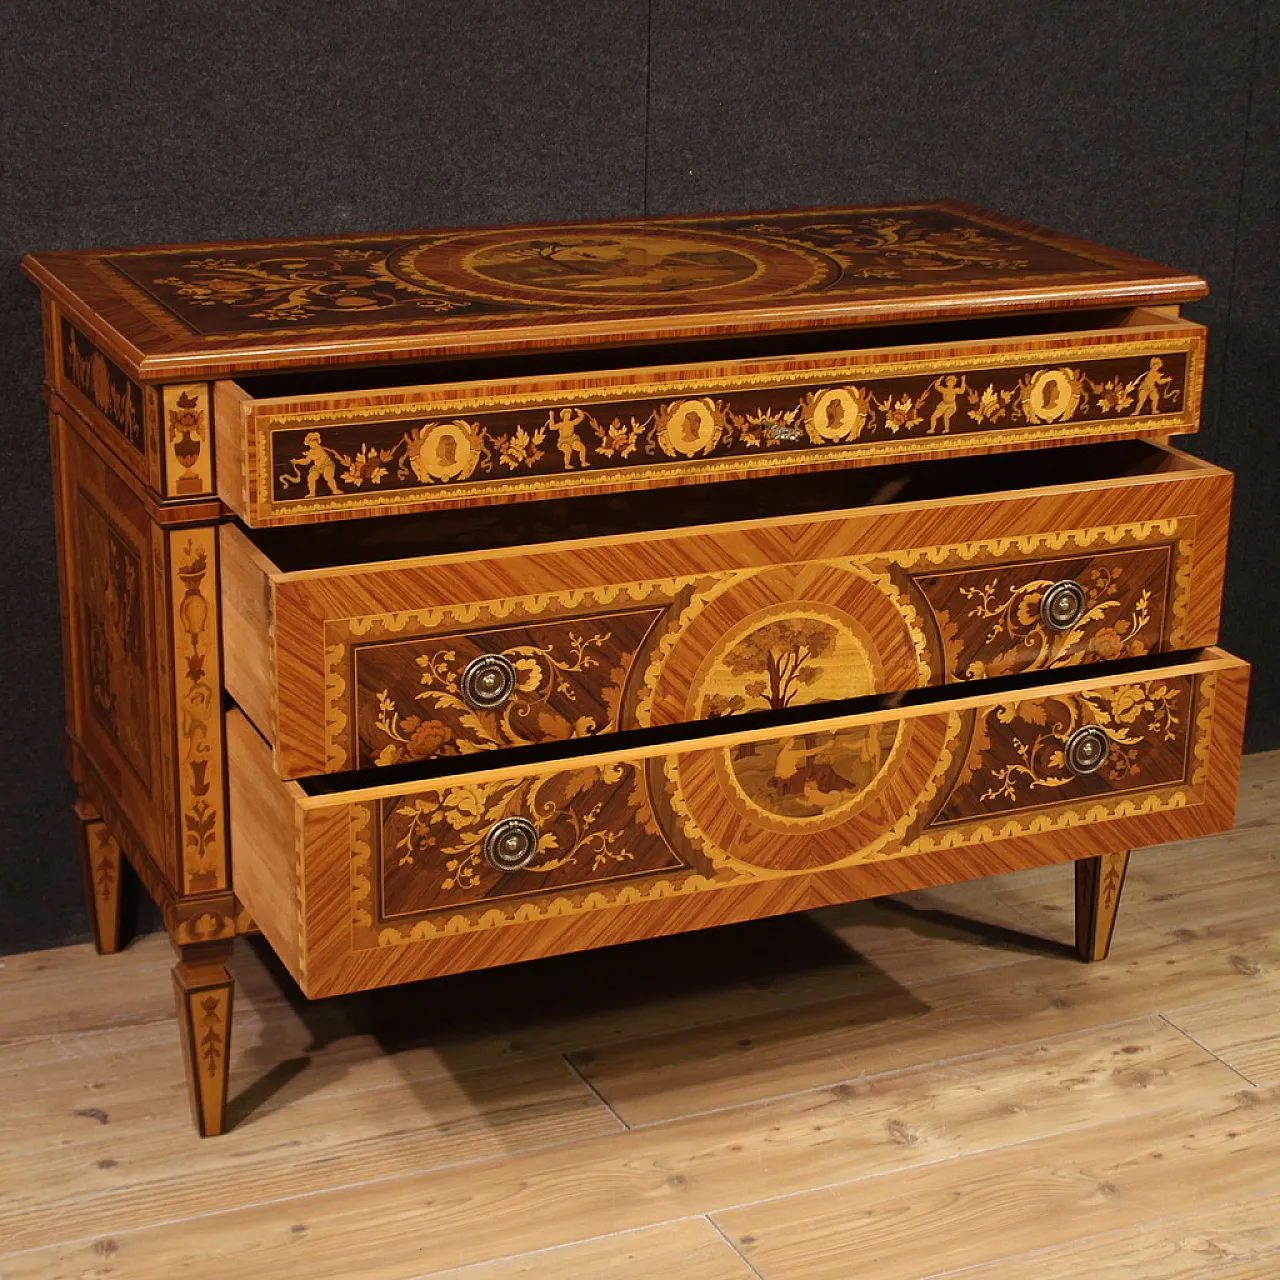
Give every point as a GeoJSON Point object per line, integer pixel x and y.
{"type": "Point", "coordinates": [208, 310]}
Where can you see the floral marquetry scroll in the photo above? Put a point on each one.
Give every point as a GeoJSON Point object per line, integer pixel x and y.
{"type": "Point", "coordinates": [1021, 755]}
{"type": "Point", "coordinates": [992, 620]}
{"type": "Point", "coordinates": [487, 442]}
{"type": "Point", "coordinates": [542, 274]}
{"type": "Point", "coordinates": [734, 642]}
{"type": "Point", "coordinates": [592, 824]}
{"type": "Point", "coordinates": [567, 678]}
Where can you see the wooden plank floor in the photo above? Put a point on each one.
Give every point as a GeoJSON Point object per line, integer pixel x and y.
{"type": "Point", "coordinates": [920, 1087]}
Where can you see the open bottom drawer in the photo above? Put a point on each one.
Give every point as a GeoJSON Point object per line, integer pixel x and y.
{"type": "Point", "coordinates": [364, 887]}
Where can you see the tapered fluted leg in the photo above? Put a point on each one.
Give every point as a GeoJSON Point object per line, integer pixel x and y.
{"type": "Point", "coordinates": [1099, 883]}
{"type": "Point", "coordinates": [102, 868]}
{"type": "Point", "coordinates": [204, 991]}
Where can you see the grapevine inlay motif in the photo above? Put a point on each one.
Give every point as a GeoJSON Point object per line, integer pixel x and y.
{"type": "Point", "coordinates": [889, 247]}
{"type": "Point", "coordinates": [348, 282]}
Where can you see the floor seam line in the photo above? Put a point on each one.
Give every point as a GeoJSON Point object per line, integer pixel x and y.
{"type": "Point", "coordinates": [1182, 1031]}
{"type": "Point", "coordinates": [746, 1262]}
{"type": "Point", "coordinates": [919, 1068]}
{"type": "Point", "coordinates": [595, 1093]}
{"type": "Point", "coordinates": [958, 1273]}
{"type": "Point", "coordinates": [941, 1160]}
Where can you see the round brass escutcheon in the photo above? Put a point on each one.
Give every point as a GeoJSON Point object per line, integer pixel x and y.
{"type": "Point", "coordinates": [1062, 605]}
{"type": "Point", "coordinates": [1087, 749]}
{"type": "Point", "coordinates": [488, 682]}
{"type": "Point", "coordinates": [511, 844]}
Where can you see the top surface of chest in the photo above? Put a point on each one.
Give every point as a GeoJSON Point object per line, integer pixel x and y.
{"type": "Point", "coordinates": [213, 309]}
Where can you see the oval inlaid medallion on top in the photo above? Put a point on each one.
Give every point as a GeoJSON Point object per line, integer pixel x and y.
{"type": "Point", "coordinates": [630, 267]}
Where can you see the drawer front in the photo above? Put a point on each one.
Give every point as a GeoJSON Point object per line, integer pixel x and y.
{"type": "Point", "coordinates": [1067, 769]}
{"type": "Point", "coordinates": [882, 602]}
{"type": "Point", "coordinates": [417, 448]}
{"type": "Point", "coordinates": [455, 692]}
{"type": "Point", "coordinates": [1093, 603]}
{"type": "Point", "coordinates": [761, 640]}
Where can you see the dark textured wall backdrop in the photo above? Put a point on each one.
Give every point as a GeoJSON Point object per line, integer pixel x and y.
{"type": "Point", "coordinates": [1152, 125]}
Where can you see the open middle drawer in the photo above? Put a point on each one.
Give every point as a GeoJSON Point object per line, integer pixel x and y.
{"type": "Point", "coordinates": [370, 644]}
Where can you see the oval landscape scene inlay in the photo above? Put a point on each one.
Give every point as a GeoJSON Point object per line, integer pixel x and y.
{"type": "Point", "coordinates": [625, 268]}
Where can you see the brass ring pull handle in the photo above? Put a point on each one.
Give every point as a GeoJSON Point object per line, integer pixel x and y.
{"type": "Point", "coordinates": [1062, 605]}
{"type": "Point", "coordinates": [511, 844]}
{"type": "Point", "coordinates": [1087, 750]}
{"type": "Point", "coordinates": [488, 682]}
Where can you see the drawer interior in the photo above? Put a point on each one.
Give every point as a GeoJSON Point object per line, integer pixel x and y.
{"type": "Point", "coordinates": [746, 347]}
{"type": "Point", "coordinates": [452, 532]}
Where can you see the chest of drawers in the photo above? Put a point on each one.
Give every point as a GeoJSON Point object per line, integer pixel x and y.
{"type": "Point", "coordinates": [441, 600]}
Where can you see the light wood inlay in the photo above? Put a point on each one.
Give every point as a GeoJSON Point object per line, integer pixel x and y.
{"type": "Point", "coordinates": [188, 439]}
{"type": "Point", "coordinates": [197, 678]}
{"type": "Point", "coordinates": [1099, 884]}
{"type": "Point", "coordinates": [102, 865]}
{"type": "Point", "coordinates": [203, 991]}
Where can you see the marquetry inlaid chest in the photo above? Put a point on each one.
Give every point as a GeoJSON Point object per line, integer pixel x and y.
{"type": "Point", "coordinates": [446, 599]}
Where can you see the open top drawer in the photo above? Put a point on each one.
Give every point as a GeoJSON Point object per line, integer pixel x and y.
{"type": "Point", "coordinates": [384, 642]}
{"type": "Point", "coordinates": [303, 447]}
